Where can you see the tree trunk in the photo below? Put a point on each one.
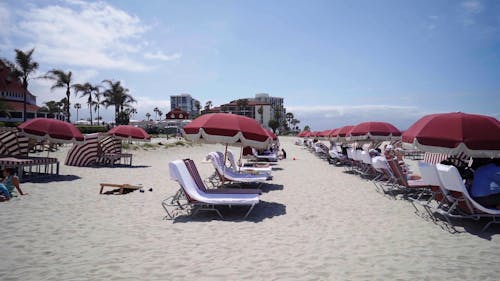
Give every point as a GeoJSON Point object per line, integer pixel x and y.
{"type": "Point", "coordinates": [117, 108]}
{"type": "Point", "coordinates": [25, 98]}
{"type": "Point", "coordinates": [68, 104]}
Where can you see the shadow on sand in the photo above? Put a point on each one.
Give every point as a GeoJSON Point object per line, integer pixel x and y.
{"type": "Point", "coordinates": [51, 178]}
{"type": "Point", "coordinates": [261, 211]}
{"type": "Point", "coordinates": [457, 226]}
{"type": "Point", "coordinates": [119, 166]}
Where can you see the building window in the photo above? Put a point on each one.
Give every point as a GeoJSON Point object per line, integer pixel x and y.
{"type": "Point", "coordinates": [16, 115]}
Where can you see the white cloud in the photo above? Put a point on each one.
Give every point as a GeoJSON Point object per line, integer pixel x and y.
{"type": "Point", "coordinates": [472, 6]}
{"type": "Point", "coordinates": [90, 34]}
{"type": "Point", "coordinates": [329, 117]}
{"type": "Point", "coordinates": [147, 104]}
{"type": "Point", "coordinates": [471, 9]}
{"type": "Point", "coordinates": [161, 56]}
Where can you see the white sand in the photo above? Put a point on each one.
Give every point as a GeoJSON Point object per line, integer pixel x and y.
{"type": "Point", "coordinates": [323, 224]}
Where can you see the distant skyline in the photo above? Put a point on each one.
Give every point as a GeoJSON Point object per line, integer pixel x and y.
{"type": "Point", "coordinates": [334, 62]}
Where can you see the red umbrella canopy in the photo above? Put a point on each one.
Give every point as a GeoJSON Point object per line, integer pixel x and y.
{"type": "Point", "coordinates": [343, 132]}
{"type": "Point", "coordinates": [454, 133]}
{"type": "Point", "coordinates": [334, 133]}
{"type": "Point", "coordinates": [129, 132]}
{"type": "Point", "coordinates": [374, 131]}
{"type": "Point", "coordinates": [324, 133]}
{"type": "Point", "coordinates": [227, 129]}
{"type": "Point", "coordinates": [51, 129]}
{"type": "Point", "coordinates": [272, 135]}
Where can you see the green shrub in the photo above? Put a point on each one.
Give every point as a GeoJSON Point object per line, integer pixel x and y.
{"type": "Point", "coordinates": [10, 124]}
{"type": "Point", "coordinates": [87, 129]}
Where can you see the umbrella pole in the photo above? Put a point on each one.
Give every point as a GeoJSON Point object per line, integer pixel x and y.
{"type": "Point", "coordinates": [224, 164]}
{"type": "Point", "coordinates": [240, 162]}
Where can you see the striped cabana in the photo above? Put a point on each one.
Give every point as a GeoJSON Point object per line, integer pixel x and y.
{"type": "Point", "coordinates": [90, 152]}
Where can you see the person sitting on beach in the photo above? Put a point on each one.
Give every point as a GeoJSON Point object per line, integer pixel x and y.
{"type": "Point", "coordinates": [282, 154]}
{"type": "Point", "coordinates": [373, 152]}
{"type": "Point", "coordinates": [398, 154]}
{"type": "Point", "coordinates": [485, 187]}
{"type": "Point", "coordinates": [8, 184]}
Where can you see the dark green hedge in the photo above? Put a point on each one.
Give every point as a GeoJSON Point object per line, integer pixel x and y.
{"type": "Point", "coordinates": [9, 124]}
{"type": "Point", "coordinates": [87, 129]}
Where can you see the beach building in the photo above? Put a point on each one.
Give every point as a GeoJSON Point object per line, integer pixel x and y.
{"type": "Point", "coordinates": [260, 111]}
{"type": "Point", "coordinates": [175, 119]}
{"type": "Point", "coordinates": [12, 94]}
{"type": "Point", "coordinates": [277, 105]}
{"type": "Point", "coordinates": [262, 108]}
{"type": "Point", "coordinates": [186, 103]}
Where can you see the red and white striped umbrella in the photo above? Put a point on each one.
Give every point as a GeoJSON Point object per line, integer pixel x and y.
{"type": "Point", "coordinates": [454, 133]}
{"type": "Point", "coordinates": [227, 129]}
{"type": "Point", "coordinates": [53, 130]}
{"type": "Point", "coordinates": [129, 132]}
{"type": "Point", "coordinates": [374, 131]}
{"type": "Point", "coordinates": [342, 132]}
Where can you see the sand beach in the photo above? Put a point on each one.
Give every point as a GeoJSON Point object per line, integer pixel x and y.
{"type": "Point", "coordinates": [315, 222]}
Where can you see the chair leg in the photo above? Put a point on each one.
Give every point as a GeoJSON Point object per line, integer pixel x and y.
{"type": "Point", "coordinates": [249, 210]}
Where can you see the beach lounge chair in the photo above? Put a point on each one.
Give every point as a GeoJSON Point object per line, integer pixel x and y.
{"type": "Point", "coordinates": [385, 180]}
{"type": "Point", "coordinates": [121, 187]}
{"type": "Point", "coordinates": [244, 169]}
{"type": "Point", "coordinates": [193, 199]}
{"type": "Point", "coordinates": [227, 174]}
{"type": "Point", "coordinates": [270, 157]}
{"type": "Point", "coordinates": [464, 204]}
{"type": "Point", "coordinates": [405, 184]}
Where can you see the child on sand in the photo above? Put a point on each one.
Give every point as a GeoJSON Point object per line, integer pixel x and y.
{"type": "Point", "coordinates": [8, 184]}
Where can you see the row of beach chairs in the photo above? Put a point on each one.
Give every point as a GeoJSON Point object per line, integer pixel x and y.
{"type": "Point", "coordinates": [440, 192]}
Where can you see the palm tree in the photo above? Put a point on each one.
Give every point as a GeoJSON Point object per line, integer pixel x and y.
{"type": "Point", "coordinates": [132, 111]}
{"type": "Point", "coordinates": [289, 117]}
{"type": "Point", "coordinates": [77, 107]}
{"type": "Point", "coordinates": [97, 103]}
{"type": "Point", "coordinates": [261, 113]}
{"type": "Point", "coordinates": [294, 123]}
{"type": "Point", "coordinates": [208, 105]}
{"type": "Point", "coordinates": [160, 113]}
{"type": "Point", "coordinates": [63, 104]}
{"type": "Point", "coordinates": [86, 90]}
{"type": "Point", "coordinates": [53, 107]}
{"type": "Point", "coordinates": [148, 115]}
{"type": "Point", "coordinates": [197, 105]}
{"type": "Point", "coordinates": [118, 96]}
{"type": "Point", "coordinates": [242, 104]}
{"type": "Point", "coordinates": [61, 80]}
{"type": "Point", "coordinates": [23, 67]}
{"type": "Point", "coordinates": [156, 110]}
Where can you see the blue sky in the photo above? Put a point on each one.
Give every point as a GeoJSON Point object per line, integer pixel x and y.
{"type": "Point", "coordinates": [334, 62]}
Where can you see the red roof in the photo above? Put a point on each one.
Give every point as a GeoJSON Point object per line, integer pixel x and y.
{"type": "Point", "coordinates": [9, 83]}
{"type": "Point", "coordinates": [18, 106]}
{"type": "Point", "coordinates": [176, 113]}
